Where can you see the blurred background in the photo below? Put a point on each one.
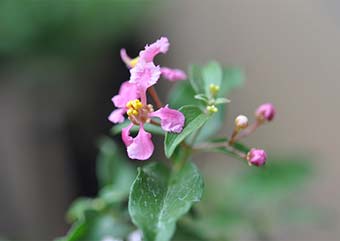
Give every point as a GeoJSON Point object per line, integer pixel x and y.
{"type": "Point", "coordinates": [60, 66]}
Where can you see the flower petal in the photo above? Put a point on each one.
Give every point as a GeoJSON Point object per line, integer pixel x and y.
{"type": "Point", "coordinates": [127, 92]}
{"type": "Point", "coordinates": [141, 147]}
{"type": "Point", "coordinates": [117, 116]}
{"type": "Point", "coordinates": [127, 139]}
{"type": "Point", "coordinates": [173, 74]}
{"type": "Point", "coordinates": [150, 51]}
{"type": "Point", "coordinates": [125, 57]}
{"type": "Point", "coordinates": [171, 120]}
{"type": "Point", "coordinates": [144, 75]}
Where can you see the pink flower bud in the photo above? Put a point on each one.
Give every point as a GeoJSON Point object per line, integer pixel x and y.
{"type": "Point", "coordinates": [265, 112]}
{"type": "Point", "coordinates": [257, 157]}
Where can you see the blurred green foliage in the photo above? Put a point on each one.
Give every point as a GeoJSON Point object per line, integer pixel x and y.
{"type": "Point", "coordinates": [63, 27]}
{"type": "Point", "coordinates": [105, 215]}
{"type": "Point", "coordinates": [249, 200]}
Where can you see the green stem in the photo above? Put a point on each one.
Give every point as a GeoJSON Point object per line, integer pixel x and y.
{"type": "Point", "coordinates": [208, 146]}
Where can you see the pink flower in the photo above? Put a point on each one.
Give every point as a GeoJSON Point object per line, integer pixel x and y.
{"type": "Point", "coordinates": [147, 56]}
{"type": "Point", "coordinates": [257, 157]}
{"type": "Point", "coordinates": [132, 100]}
{"type": "Point", "coordinates": [150, 51]}
{"type": "Point", "coordinates": [173, 74]}
{"type": "Point", "coordinates": [265, 112]}
{"type": "Point", "coordinates": [126, 93]}
{"type": "Point", "coordinates": [171, 120]}
{"type": "Point", "coordinates": [141, 146]}
{"type": "Point", "coordinates": [144, 75]}
{"type": "Point", "coordinates": [139, 113]}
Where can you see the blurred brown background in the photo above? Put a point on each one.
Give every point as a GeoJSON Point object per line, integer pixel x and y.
{"type": "Point", "coordinates": [289, 50]}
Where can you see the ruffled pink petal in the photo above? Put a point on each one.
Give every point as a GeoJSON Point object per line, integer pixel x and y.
{"type": "Point", "coordinates": [171, 120]}
{"type": "Point", "coordinates": [127, 92]}
{"type": "Point", "coordinates": [150, 51]}
{"type": "Point", "coordinates": [141, 147]}
{"type": "Point", "coordinates": [117, 116]}
{"type": "Point", "coordinates": [173, 74]}
{"type": "Point", "coordinates": [144, 75]}
{"type": "Point", "coordinates": [127, 139]}
{"type": "Point", "coordinates": [125, 57]}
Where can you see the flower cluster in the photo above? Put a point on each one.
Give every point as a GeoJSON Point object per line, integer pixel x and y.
{"type": "Point", "coordinates": [132, 100]}
{"type": "Point", "coordinates": [264, 113]}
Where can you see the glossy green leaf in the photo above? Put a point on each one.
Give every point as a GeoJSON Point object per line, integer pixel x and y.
{"type": "Point", "coordinates": [159, 198]}
{"type": "Point", "coordinates": [194, 119]}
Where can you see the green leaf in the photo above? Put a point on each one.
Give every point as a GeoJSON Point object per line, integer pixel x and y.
{"type": "Point", "coordinates": [219, 101]}
{"type": "Point", "coordinates": [79, 207]}
{"type": "Point", "coordinates": [202, 97]}
{"type": "Point", "coordinates": [113, 170]}
{"type": "Point", "coordinates": [232, 78]}
{"type": "Point", "coordinates": [159, 198]}
{"type": "Point", "coordinates": [212, 73]}
{"type": "Point", "coordinates": [75, 233]}
{"type": "Point", "coordinates": [117, 128]}
{"type": "Point", "coordinates": [213, 125]}
{"type": "Point", "coordinates": [196, 80]}
{"type": "Point", "coordinates": [98, 226]}
{"type": "Point", "coordinates": [182, 94]}
{"type": "Point", "coordinates": [194, 119]}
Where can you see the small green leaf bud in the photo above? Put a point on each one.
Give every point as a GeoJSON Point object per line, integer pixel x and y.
{"type": "Point", "coordinates": [212, 109]}
{"type": "Point", "coordinates": [214, 89]}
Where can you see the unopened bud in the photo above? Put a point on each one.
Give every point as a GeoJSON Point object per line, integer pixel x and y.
{"type": "Point", "coordinates": [214, 89]}
{"type": "Point", "coordinates": [265, 112]}
{"type": "Point", "coordinates": [212, 109]}
{"type": "Point", "coordinates": [257, 157]}
{"type": "Point", "coordinates": [241, 122]}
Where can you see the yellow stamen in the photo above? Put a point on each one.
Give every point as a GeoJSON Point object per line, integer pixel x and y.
{"type": "Point", "coordinates": [133, 107]}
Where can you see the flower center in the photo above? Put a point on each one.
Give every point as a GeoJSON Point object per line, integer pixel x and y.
{"type": "Point", "coordinates": [137, 112]}
{"type": "Point", "coordinates": [133, 107]}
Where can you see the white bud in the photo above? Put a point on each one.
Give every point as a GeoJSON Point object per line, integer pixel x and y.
{"type": "Point", "coordinates": [241, 122]}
